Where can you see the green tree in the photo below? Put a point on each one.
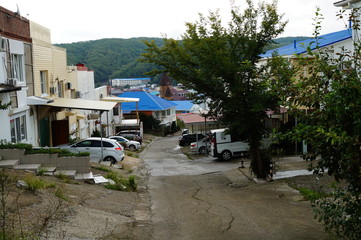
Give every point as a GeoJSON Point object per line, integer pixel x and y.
{"type": "Point", "coordinates": [220, 63]}
{"type": "Point", "coordinates": [323, 90]}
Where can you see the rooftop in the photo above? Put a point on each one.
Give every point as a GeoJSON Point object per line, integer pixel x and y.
{"type": "Point", "coordinates": [301, 46]}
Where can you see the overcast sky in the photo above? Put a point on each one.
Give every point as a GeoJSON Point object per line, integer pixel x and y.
{"type": "Point", "coordinates": [73, 21]}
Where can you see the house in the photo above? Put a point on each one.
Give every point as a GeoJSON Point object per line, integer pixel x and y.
{"type": "Point", "coordinates": [336, 40]}
{"type": "Point", "coordinates": [64, 97]}
{"type": "Point", "coordinates": [332, 42]}
{"type": "Point", "coordinates": [16, 79]}
{"type": "Point", "coordinates": [151, 105]}
{"type": "Point", "coordinates": [196, 123]}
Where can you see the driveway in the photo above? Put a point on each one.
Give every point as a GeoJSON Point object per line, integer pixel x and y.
{"type": "Point", "coordinates": [210, 199]}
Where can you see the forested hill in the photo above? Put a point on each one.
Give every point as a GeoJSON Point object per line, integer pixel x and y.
{"type": "Point", "coordinates": [117, 58]}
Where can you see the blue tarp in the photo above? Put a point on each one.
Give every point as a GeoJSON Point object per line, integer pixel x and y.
{"type": "Point", "coordinates": [301, 46]}
{"type": "Point", "coordinates": [147, 102]}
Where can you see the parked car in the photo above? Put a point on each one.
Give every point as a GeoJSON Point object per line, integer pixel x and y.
{"type": "Point", "coordinates": [133, 135]}
{"type": "Point", "coordinates": [132, 145]}
{"type": "Point", "coordinates": [112, 150]}
{"type": "Point", "coordinates": [187, 139]}
{"type": "Point", "coordinates": [202, 146]}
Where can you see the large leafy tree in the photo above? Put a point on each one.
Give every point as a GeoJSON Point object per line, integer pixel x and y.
{"type": "Point", "coordinates": [220, 63]}
{"type": "Point", "coordinates": [323, 90]}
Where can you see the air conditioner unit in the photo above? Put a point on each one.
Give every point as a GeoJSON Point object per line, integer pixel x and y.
{"type": "Point", "coordinates": [78, 94]}
{"type": "Point", "coordinates": [12, 81]}
{"type": "Point", "coordinates": [68, 85]}
{"type": "Point", "coordinates": [52, 90]}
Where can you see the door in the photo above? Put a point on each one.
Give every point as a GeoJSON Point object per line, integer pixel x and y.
{"type": "Point", "coordinates": [60, 132]}
{"type": "Point", "coordinates": [44, 132]}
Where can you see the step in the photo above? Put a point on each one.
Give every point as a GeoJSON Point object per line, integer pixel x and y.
{"type": "Point", "coordinates": [69, 173]}
{"type": "Point", "coordinates": [84, 176]}
{"type": "Point", "coordinates": [29, 167]}
{"type": "Point", "coordinates": [9, 163]}
{"type": "Point", "coordinates": [49, 171]}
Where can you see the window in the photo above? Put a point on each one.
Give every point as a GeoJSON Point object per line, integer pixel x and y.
{"type": "Point", "coordinates": [18, 129]}
{"type": "Point", "coordinates": [43, 81]}
{"type": "Point", "coordinates": [60, 90]}
{"type": "Point", "coordinates": [17, 67]}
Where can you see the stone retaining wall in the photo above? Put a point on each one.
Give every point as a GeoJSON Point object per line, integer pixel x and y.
{"type": "Point", "coordinates": [80, 164]}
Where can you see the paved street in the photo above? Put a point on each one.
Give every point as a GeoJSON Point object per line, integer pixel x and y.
{"type": "Point", "coordinates": [210, 199]}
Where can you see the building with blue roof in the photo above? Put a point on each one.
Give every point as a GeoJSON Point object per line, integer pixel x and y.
{"type": "Point", "coordinates": [149, 104]}
{"type": "Point", "coordinates": [336, 40]}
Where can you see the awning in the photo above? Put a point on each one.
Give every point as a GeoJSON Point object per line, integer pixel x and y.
{"type": "Point", "coordinates": [72, 103]}
{"type": "Point", "coordinates": [119, 99]}
{"type": "Point", "coordinates": [34, 100]}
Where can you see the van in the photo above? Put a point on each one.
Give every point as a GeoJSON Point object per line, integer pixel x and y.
{"type": "Point", "coordinates": [224, 146]}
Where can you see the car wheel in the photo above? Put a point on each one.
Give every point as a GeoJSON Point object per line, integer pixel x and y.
{"type": "Point", "coordinates": [202, 150]}
{"type": "Point", "coordinates": [110, 159]}
{"type": "Point", "coordinates": [226, 155]}
{"type": "Point", "coordinates": [132, 148]}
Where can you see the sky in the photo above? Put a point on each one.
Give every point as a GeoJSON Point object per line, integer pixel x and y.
{"type": "Point", "coordinates": [73, 21]}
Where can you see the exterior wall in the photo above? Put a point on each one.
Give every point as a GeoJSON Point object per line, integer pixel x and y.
{"type": "Point", "coordinates": [15, 39]}
{"type": "Point", "coordinates": [129, 81]}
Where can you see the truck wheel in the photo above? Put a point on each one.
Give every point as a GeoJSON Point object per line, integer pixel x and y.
{"type": "Point", "coordinates": [226, 155]}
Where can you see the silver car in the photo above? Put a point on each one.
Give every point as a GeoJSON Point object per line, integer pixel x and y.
{"type": "Point", "coordinates": [201, 147]}
{"type": "Point", "coordinates": [132, 145]}
{"type": "Point", "coordinates": [112, 150]}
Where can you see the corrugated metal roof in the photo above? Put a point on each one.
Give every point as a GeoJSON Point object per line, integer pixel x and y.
{"type": "Point", "coordinates": [301, 46]}
{"type": "Point", "coordinates": [147, 102]}
{"type": "Point", "coordinates": [183, 105]}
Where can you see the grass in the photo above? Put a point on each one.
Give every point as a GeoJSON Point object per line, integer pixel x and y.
{"type": "Point", "coordinates": [121, 183]}
{"type": "Point", "coordinates": [101, 168]}
{"type": "Point", "coordinates": [312, 195]}
{"type": "Point", "coordinates": [34, 183]}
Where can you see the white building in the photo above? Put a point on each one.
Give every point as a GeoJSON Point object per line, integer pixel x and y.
{"type": "Point", "coordinates": [121, 82]}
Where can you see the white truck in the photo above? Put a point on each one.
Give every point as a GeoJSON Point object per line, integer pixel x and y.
{"type": "Point", "coordinates": [224, 147]}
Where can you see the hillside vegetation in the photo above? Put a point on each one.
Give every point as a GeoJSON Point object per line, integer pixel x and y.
{"type": "Point", "coordinates": [117, 58]}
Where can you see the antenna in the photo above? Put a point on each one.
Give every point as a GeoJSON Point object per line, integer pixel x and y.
{"type": "Point", "coordinates": [18, 11]}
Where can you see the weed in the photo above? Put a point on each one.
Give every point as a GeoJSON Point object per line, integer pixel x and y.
{"type": "Point", "coordinates": [60, 193]}
{"type": "Point", "coordinates": [41, 172]}
{"type": "Point", "coordinates": [101, 168]}
{"type": "Point", "coordinates": [312, 195]}
{"type": "Point", "coordinates": [121, 184]}
{"type": "Point", "coordinates": [34, 183]}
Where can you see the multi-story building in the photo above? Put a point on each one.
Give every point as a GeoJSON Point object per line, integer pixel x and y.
{"type": "Point", "coordinates": [16, 78]}
{"type": "Point", "coordinates": [121, 82]}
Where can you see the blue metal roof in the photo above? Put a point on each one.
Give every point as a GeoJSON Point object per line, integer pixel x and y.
{"type": "Point", "coordinates": [301, 47]}
{"type": "Point", "coordinates": [147, 102]}
{"type": "Point", "coordinates": [183, 105]}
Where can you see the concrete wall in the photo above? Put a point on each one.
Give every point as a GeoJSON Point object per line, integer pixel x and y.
{"type": "Point", "coordinates": [80, 164]}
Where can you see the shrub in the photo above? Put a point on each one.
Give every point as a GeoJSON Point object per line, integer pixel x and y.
{"type": "Point", "coordinates": [340, 214]}
{"type": "Point", "coordinates": [34, 183]}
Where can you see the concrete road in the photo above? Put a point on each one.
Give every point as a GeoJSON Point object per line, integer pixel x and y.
{"type": "Point", "coordinates": [210, 199]}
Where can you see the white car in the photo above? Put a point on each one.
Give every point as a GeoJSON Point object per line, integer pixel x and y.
{"type": "Point", "coordinates": [112, 150]}
{"type": "Point", "coordinates": [132, 145]}
{"type": "Point", "coordinates": [200, 147]}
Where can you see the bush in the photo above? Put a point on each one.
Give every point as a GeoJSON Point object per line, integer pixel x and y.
{"type": "Point", "coordinates": [340, 214]}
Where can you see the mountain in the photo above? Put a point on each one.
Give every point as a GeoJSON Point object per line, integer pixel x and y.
{"type": "Point", "coordinates": [110, 58]}
{"type": "Point", "coordinates": [117, 58]}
